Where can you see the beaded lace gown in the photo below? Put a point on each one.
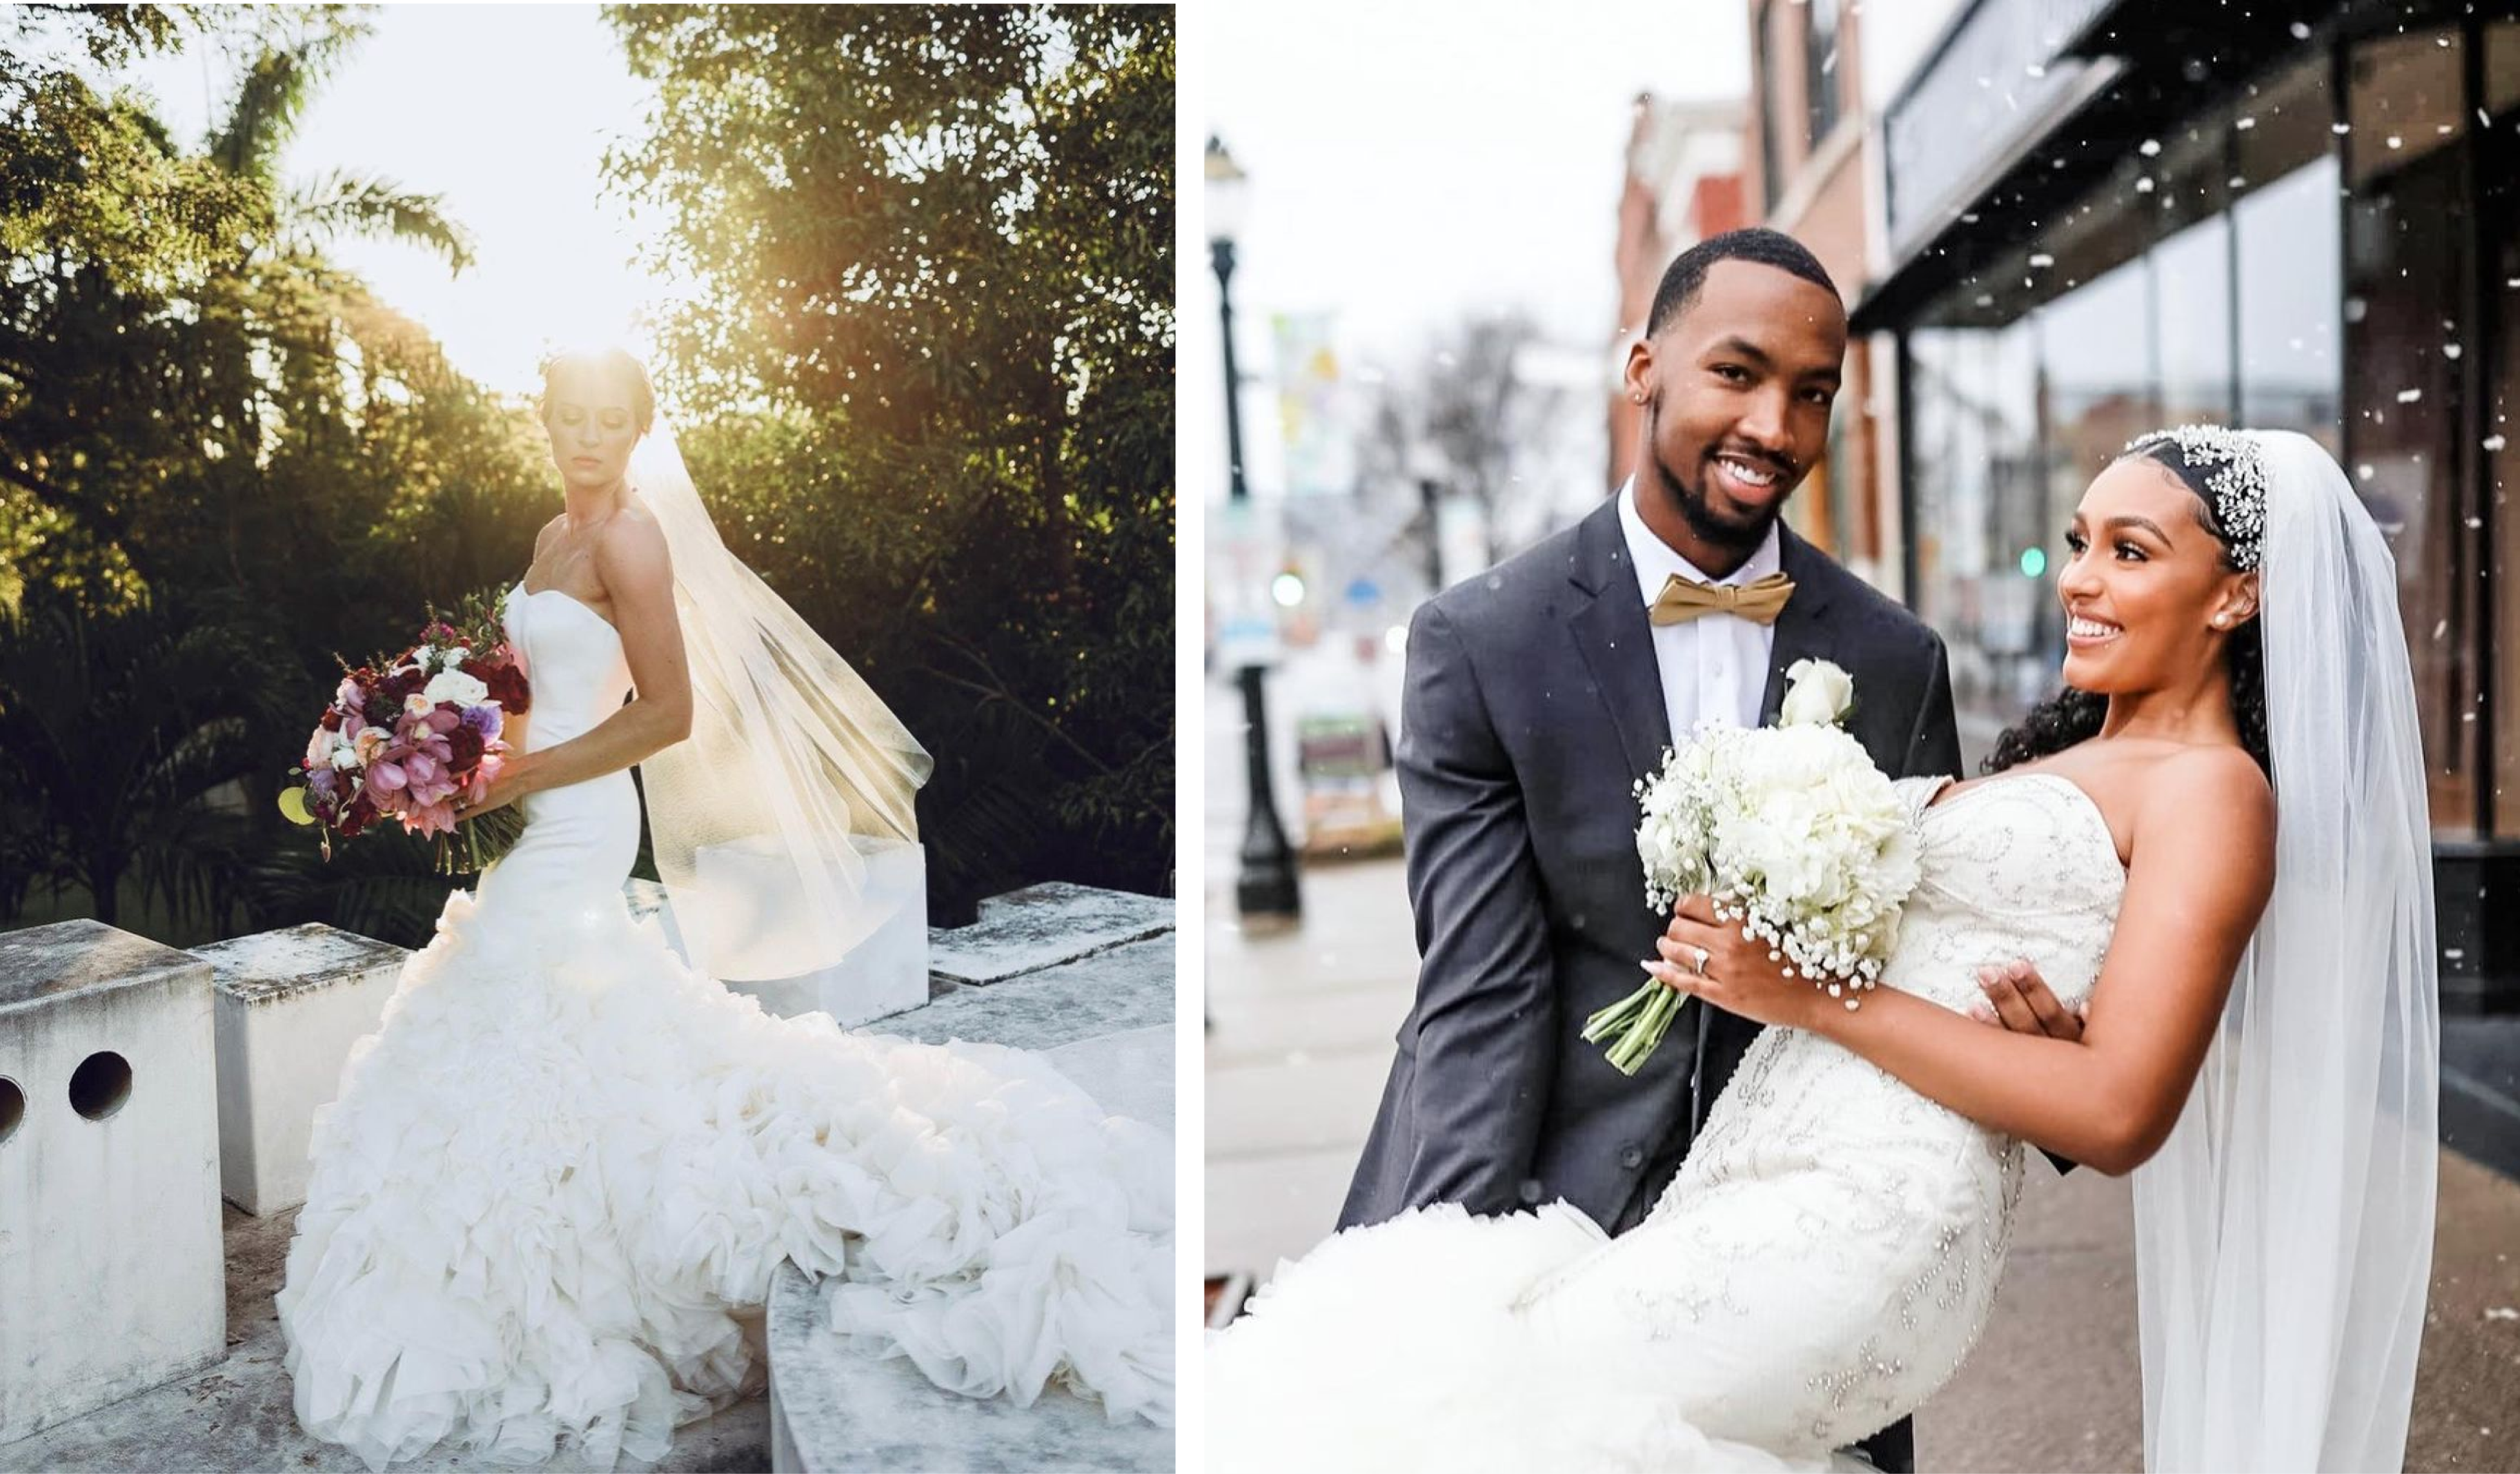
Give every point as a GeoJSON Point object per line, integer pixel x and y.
{"type": "Point", "coordinates": [566, 1165]}
{"type": "Point", "coordinates": [1822, 1263]}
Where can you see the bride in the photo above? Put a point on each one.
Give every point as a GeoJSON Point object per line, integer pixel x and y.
{"type": "Point", "coordinates": [2217, 842]}
{"type": "Point", "coordinates": [557, 1182]}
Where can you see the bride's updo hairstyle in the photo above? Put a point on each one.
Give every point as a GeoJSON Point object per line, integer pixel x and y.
{"type": "Point", "coordinates": [610, 362]}
{"type": "Point", "coordinates": [2071, 716]}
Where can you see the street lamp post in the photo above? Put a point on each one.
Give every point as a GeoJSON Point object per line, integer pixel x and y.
{"type": "Point", "coordinates": [1266, 885]}
{"type": "Point", "coordinates": [1427, 466]}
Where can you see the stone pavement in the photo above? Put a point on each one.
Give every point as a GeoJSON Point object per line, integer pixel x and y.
{"type": "Point", "coordinates": [1300, 1040]}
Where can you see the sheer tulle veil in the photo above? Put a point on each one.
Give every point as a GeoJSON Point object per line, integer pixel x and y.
{"type": "Point", "coordinates": [2283, 1234]}
{"type": "Point", "coordinates": [794, 772]}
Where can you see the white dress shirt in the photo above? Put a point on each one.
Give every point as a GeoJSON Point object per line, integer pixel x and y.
{"type": "Point", "coordinates": [1715, 665]}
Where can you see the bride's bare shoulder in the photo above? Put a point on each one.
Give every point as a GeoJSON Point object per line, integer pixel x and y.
{"type": "Point", "coordinates": [2213, 795]}
{"type": "Point", "coordinates": [632, 544]}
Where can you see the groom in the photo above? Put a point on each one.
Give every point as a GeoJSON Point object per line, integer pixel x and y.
{"type": "Point", "coordinates": [1539, 695]}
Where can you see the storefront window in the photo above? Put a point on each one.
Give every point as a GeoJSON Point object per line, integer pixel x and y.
{"type": "Point", "coordinates": [2407, 235]}
{"type": "Point", "coordinates": [2288, 288]}
{"type": "Point", "coordinates": [1975, 452]}
{"type": "Point", "coordinates": [2499, 225]}
{"type": "Point", "coordinates": [2191, 323]}
{"type": "Point", "coordinates": [2096, 368]}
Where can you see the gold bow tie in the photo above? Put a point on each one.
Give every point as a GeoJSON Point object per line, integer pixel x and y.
{"type": "Point", "coordinates": [1683, 599]}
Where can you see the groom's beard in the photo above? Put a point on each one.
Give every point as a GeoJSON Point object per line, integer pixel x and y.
{"type": "Point", "coordinates": [1694, 509]}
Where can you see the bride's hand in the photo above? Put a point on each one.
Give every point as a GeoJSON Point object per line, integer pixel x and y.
{"type": "Point", "coordinates": [2017, 997]}
{"type": "Point", "coordinates": [506, 787]}
{"type": "Point", "coordinates": [1737, 975]}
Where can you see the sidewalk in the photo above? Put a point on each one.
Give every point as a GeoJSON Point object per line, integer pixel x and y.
{"type": "Point", "coordinates": [1300, 1040]}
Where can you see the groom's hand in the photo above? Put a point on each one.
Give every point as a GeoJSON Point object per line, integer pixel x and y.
{"type": "Point", "coordinates": [2017, 997]}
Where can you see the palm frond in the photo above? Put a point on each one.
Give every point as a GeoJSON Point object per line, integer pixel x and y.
{"type": "Point", "coordinates": [271, 97]}
{"type": "Point", "coordinates": [344, 204]}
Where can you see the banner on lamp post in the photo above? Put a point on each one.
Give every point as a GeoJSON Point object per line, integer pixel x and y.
{"type": "Point", "coordinates": [1247, 553]}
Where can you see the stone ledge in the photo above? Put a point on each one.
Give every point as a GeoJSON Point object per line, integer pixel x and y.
{"type": "Point", "coordinates": [273, 964]}
{"type": "Point", "coordinates": [1043, 926]}
{"type": "Point", "coordinates": [41, 963]}
{"type": "Point", "coordinates": [1128, 987]}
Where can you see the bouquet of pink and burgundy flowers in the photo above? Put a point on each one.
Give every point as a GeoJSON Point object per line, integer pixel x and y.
{"type": "Point", "coordinates": [412, 738]}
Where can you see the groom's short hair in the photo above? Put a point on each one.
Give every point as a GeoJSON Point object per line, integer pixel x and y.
{"type": "Point", "coordinates": [1686, 273]}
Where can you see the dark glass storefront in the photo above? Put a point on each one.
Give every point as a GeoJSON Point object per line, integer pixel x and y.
{"type": "Point", "coordinates": [2303, 218]}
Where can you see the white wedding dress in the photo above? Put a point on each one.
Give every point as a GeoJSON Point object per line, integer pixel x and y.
{"type": "Point", "coordinates": [566, 1164]}
{"type": "Point", "coordinates": [1822, 1265]}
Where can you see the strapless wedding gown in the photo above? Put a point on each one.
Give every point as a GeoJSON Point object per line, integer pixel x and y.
{"type": "Point", "coordinates": [1822, 1263]}
{"type": "Point", "coordinates": [566, 1165]}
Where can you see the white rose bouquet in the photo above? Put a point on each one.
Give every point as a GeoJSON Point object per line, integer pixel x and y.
{"type": "Point", "coordinates": [1792, 832]}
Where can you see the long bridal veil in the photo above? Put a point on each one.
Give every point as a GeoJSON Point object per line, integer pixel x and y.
{"type": "Point", "coordinates": [2283, 1234]}
{"type": "Point", "coordinates": [793, 774]}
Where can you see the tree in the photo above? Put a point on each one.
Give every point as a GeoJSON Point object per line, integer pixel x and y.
{"type": "Point", "coordinates": [1471, 406]}
{"type": "Point", "coordinates": [216, 450]}
{"type": "Point", "coordinates": [932, 353]}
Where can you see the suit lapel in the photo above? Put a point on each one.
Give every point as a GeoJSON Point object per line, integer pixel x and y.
{"type": "Point", "coordinates": [1612, 633]}
{"type": "Point", "coordinates": [1802, 631]}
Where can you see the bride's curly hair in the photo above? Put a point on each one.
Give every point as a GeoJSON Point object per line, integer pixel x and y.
{"type": "Point", "coordinates": [2071, 716]}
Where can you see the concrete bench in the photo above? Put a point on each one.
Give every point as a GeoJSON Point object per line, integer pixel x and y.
{"type": "Point", "coordinates": [290, 1003]}
{"type": "Point", "coordinates": [110, 1279]}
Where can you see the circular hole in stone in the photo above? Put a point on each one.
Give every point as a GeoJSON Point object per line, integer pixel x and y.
{"type": "Point", "coordinates": [13, 1107]}
{"type": "Point", "coordinates": [100, 1085]}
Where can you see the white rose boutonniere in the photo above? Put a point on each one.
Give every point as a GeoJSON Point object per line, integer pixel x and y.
{"type": "Point", "coordinates": [1818, 693]}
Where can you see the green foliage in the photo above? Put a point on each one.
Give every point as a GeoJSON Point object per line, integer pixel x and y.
{"type": "Point", "coordinates": [930, 359]}
{"type": "Point", "coordinates": [223, 462]}
{"type": "Point", "coordinates": [119, 735]}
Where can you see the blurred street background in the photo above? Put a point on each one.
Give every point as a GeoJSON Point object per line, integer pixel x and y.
{"type": "Point", "coordinates": [2056, 224]}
